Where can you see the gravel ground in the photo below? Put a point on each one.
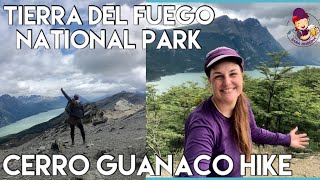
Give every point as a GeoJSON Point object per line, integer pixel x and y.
{"type": "Point", "coordinates": [307, 167]}
{"type": "Point", "coordinates": [123, 136]}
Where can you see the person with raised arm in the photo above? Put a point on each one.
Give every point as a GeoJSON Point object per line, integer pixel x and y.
{"type": "Point", "coordinates": [75, 111]}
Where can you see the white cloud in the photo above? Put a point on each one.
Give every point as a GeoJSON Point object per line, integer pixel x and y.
{"type": "Point", "coordinates": [87, 72]}
{"type": "Point", "coordinates": [274, 16]}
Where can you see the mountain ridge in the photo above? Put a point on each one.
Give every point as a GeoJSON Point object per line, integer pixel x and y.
{"type": "Point", "coordinates": [249, 38]}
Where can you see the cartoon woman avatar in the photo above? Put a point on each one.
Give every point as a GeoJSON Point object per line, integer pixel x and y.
{"type": "Point", "coordinates": [300, 20]}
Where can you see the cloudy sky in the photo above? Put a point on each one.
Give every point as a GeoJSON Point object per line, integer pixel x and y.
{"type": "Point", "coordinates": [98, 72]}
{"type": "Point", "coordinates": [274, 16]}
{"type": "Point", "coordinates": [90, 73]}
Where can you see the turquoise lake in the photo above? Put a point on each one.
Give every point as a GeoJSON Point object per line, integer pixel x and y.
{"type": "Point", "coordinates": [29, 122]}
{"type": "Point", "coordinates": [166, 82]}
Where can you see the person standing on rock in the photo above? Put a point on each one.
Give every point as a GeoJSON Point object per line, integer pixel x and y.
{"type": "Point", "coordinates": [76, 113]}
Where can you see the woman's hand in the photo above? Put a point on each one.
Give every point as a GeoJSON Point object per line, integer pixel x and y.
{"type": "Point", "coordinates": [298, 140]}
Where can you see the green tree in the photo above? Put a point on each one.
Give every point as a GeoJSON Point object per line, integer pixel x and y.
{"type": "Point", "coordinates": [166, 116]}
{"type": "Point", "coordinates": [273, 85]}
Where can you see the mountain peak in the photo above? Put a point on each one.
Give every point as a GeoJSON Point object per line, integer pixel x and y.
{"type": "Point", "coordinates": [5, 95]}
{"type": "Point", "coordinates": [223, 17]}
{"type": "Point", "coordinates": [130, 97]}
{"type": "Point", "coordinates": [252, 41]}
{"type": "Point", "coordinates": [123, 92]}
{"type": "Point", "coordinates": [252, 21]}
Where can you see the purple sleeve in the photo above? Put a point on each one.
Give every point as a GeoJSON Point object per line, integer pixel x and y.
{"type": "Point", "coordinates": [263, 136]}
{"type": "Point", "coordinates": [302, 32]}
{"type": "Point", "coordinates": [199, 141]}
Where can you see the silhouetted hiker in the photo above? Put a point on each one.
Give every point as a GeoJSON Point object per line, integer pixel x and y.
{"type": "Point", "coordinates": [76, 112]}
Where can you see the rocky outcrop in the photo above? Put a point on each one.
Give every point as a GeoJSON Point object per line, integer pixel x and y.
{"type": "Point", "coordinates": [120, 105]}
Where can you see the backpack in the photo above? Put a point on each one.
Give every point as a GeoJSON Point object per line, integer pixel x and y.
{"type": "Point", "coordinates": [70, 105]}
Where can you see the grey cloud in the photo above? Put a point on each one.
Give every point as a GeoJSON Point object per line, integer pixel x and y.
{"type": "Point", "coordinates": [267, 10]}
{"type": "Point", "coordinates": [90, 73]}
{"type": "Point", "coordinates": [126, 67]}
{"type": "Point", "coordinates": [275, 16]}
{"type": "Point", "coordinates": [112, 65]}
{"type": "Point", "coordinates": [108, 62]}
{"type": "Point", "coordinates": [274, 22]}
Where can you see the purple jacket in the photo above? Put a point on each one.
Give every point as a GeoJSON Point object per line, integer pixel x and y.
{"type": "Point", "coordinates": [208, 132]}
{"type": "Point", "coordinates": [302, 32]}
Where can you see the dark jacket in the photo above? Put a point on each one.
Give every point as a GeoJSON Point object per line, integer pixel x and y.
{"type": "Point", "coordinates": [76, 107]}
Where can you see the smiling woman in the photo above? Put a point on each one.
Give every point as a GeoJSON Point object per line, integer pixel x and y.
{"type": "Point", "coordinates": [224, 124]}
{"type": "Point", "coordinates": [227, 81]}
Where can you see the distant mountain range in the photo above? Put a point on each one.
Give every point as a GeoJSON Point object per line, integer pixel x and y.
{"type": "Point", "coordinates": [13, 108]}
{"type": "Point", "coordinates": [252, 41]}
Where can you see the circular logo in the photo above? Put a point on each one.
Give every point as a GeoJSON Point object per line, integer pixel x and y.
{"type": "Point", "coordinates": [304, 30]}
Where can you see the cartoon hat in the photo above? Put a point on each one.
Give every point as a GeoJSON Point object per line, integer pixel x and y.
{"type": "Point", "coordinates": [221, 53]}
{"type": "Point", "coordinates": [298, 14]}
